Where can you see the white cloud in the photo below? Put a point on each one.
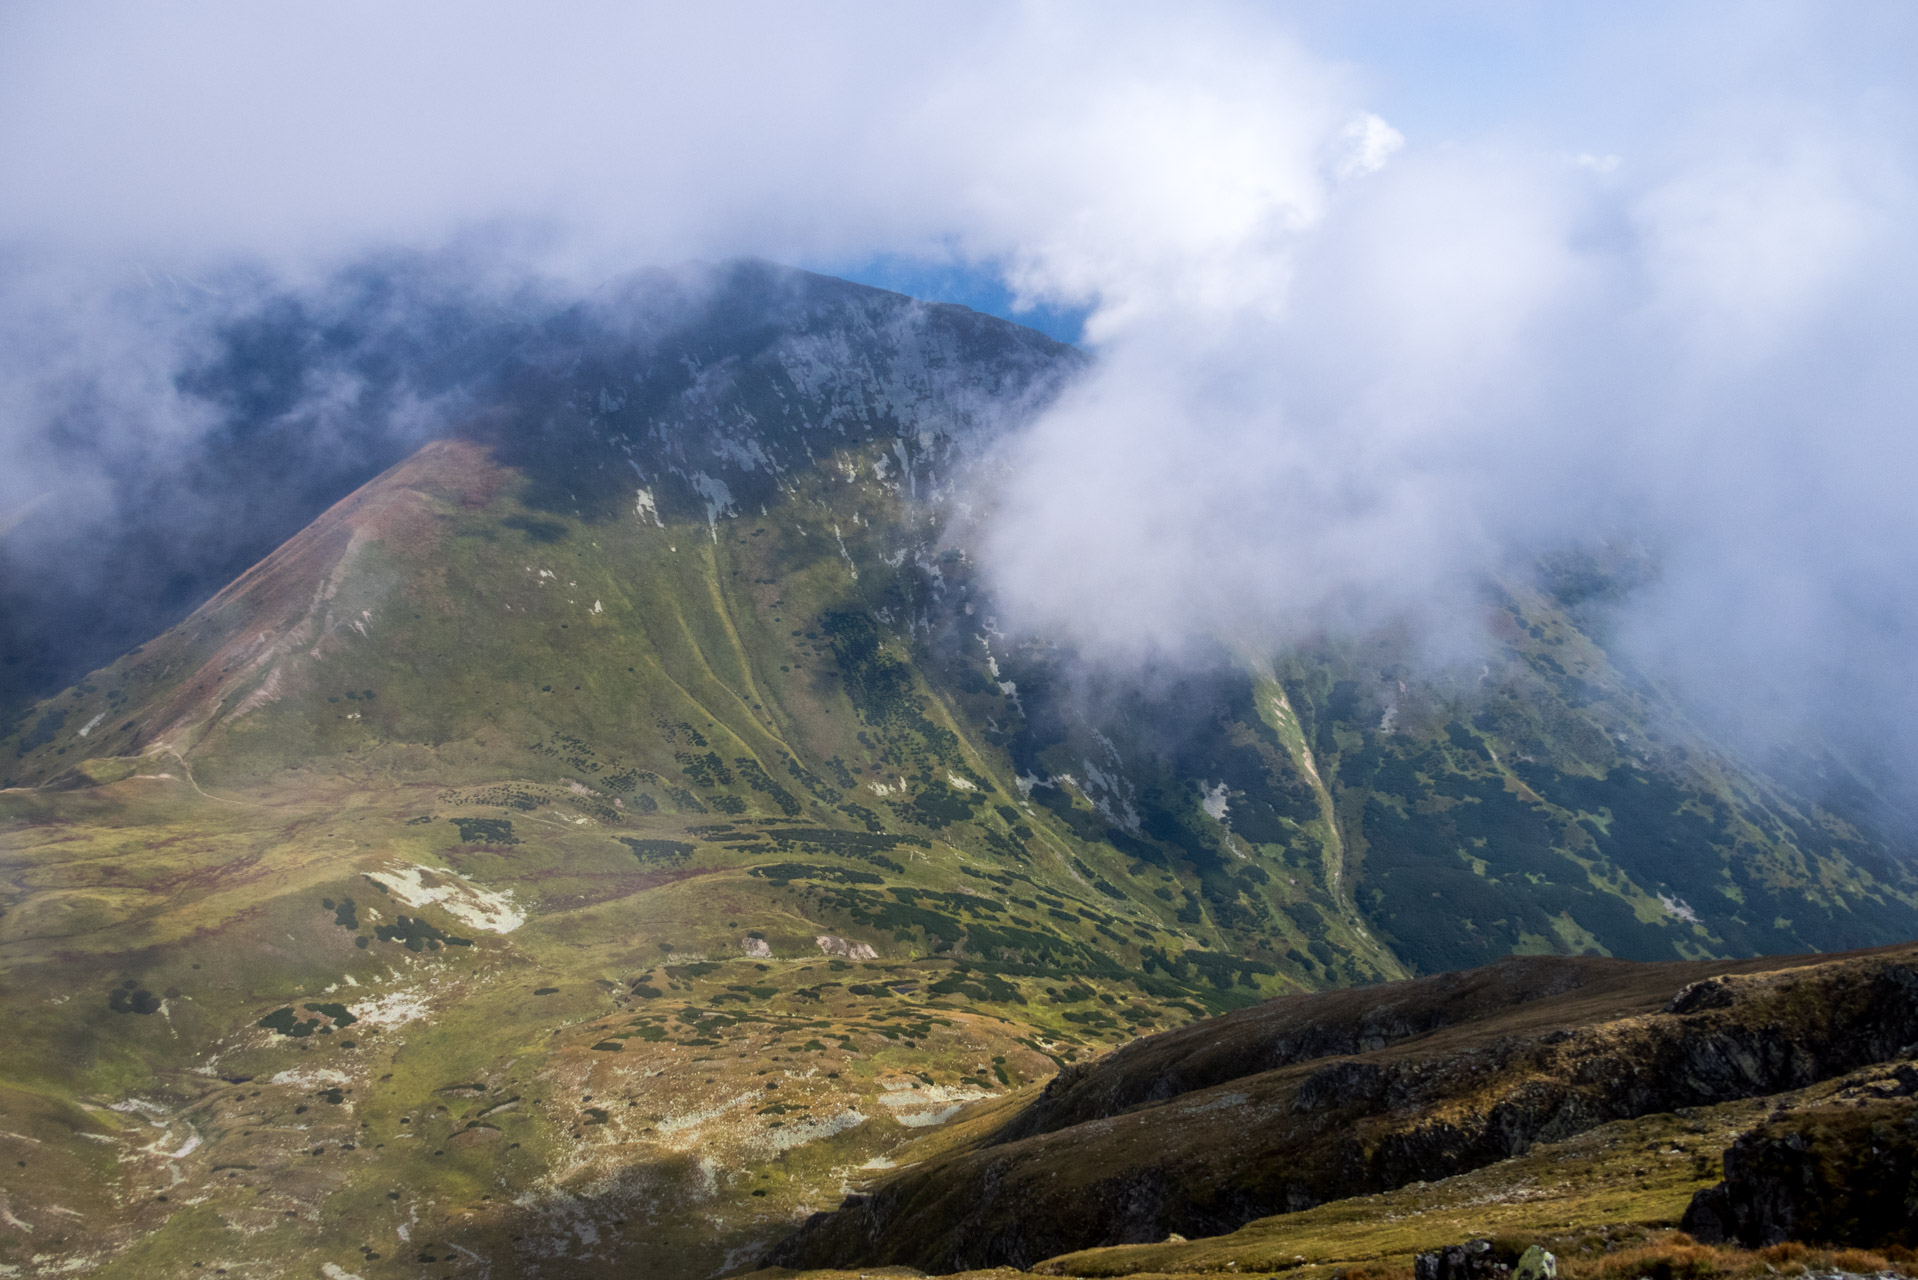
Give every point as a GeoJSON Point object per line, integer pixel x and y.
{"type": "Point", "coordinates": [1348, 355]}
{"type": "Point", "coordinates": [1368, 143]}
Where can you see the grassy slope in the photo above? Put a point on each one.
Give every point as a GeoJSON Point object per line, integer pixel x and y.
{"type": "Point", "coordinates": [441, 674]}
{"type": "Point", "coordinates": [1434, 1095]}
{"type": "Point", "coordinates": [1545, 801]}
{"type": "Point", "coordinates": [575, 682]}
{"type": "Point", "coordinates": [1606, 1193]}
{"type": "Point", "coordinates": [458, 670]}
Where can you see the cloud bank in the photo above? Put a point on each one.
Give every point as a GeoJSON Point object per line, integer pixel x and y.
{"type": "Point", "coordinates": [1380, 301]}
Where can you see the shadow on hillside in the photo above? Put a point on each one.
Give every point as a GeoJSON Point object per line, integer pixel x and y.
{"type": "Point", "coordinates": [671, 1219]}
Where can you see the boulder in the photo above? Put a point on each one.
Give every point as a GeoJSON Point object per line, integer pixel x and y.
{"type": "Point", "coordinates": [1481, 1260]}
{"type": "Point", "coordinates": [1473, 1260]}
{"type": "Point", "coordinates": [1826, 1175]}
{"type": "Point", "coordinates": [1536, 1264]}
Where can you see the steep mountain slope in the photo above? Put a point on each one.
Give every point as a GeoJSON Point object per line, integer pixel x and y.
{"type": "Point", "coordinates": [277, 402]}
{"type": "Point", "coordinates": [594, 840]}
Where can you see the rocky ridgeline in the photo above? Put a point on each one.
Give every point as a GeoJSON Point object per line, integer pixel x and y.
{"type": "Point", "coordinates": [1197, 1132]}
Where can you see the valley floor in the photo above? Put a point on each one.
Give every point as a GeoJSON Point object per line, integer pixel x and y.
{"type": "Point", "coordinates": [271, 1034]}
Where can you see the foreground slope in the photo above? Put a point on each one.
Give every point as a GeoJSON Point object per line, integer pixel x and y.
{"type": "Point", "coordinates": [1321, 1098]}
{"type": "Point", "coordinates": [1605, 1201]}
{"type": "Point", "coordinates": [610, 834]}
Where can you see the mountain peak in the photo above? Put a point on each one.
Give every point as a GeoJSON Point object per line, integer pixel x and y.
{"type": "Point", "coordinates": [630, 795]}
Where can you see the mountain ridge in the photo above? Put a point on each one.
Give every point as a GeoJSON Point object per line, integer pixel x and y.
{"type": "Point", "coordinates": [631, 791]}
{"type": "Point", "coordinates": [1530, 1050]}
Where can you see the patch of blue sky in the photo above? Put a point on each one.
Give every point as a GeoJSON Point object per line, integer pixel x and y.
{"type": "Point", "coordinates": [975, 285]}
{"type": "Point", "coordinates": [1611, 76]}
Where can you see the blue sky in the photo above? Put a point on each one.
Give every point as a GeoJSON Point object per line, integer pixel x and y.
{"type": "Point", "coordinates": [1616, 81]}
{"type": "Point", "coordinates": [975, 285]}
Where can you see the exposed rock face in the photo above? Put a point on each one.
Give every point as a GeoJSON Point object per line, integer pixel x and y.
{"type": "Point", "coordinates": [1536, 1264]}
{"type": "Point", "coordinates": [1828, 1175]}
{"type": "Point", "coordinates": [1473, 1260]}
{"type": "Point", "coordinates": [1482, 1260]}
{"type": "Point", "coordinates": [1201, 1130]}
{"type": "Point", "coordinates": [831, 945]}
{"type": "Point", "coordinates": [1294, 1029]}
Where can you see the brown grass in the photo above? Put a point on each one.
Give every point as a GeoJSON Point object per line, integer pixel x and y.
{"type": "Point", "coordinates": [1676, 1256]}
{"type": "Point", "coordinates": [1373, 1273]}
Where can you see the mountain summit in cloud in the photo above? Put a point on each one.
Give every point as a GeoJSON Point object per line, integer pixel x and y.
{"type": "Point", "coordinates": [635, 798]}
{"type": "Point", "coordinates": [536, 740]}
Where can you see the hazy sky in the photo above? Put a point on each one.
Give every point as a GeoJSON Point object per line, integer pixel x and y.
{"type": "Point", "coordinates": [1380, 290]}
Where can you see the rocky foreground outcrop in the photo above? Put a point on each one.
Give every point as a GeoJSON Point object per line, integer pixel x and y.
{"type": "Point", "coordinates": [1308, 1099]}
{"type": "Point", "coordinates": [1826, 1175]}
{"type": "Point", "coordinates": [1483, 1260]}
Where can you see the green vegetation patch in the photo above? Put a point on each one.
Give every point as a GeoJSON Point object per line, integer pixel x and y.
{"type": "Point", "coordinates": [760, 781]}
{"type": "Point", "coordinates": [879, 685]}
{"type": "Point", "coordinates": [335, 1011]}
{"type": "Point", "coordinates": [1220, 970]}
{"type": "Point", "coordinates": [816, 784]}
{"type": "Point", "coordinates": [485, 831]}
{"type": "Point", "coordinates": [686, 972]}
{"type": "Point", "coordinates": [544, 532]}
{"type": "Point", "coordinates": [130, 997]}
{"type": "Point", "coordinates": [869, 847]}
{"type": "Point", "coordinates": [289, 1023]}
{"type": "Point", "coordinates": [659, 853]}
{"type": "Point", "coordinates": [781, 873]}
{"type": "Point", "coordinates": [685, 800]}
{"type": "Point", "coordinates": [980, 986]}
{"type": "Point", "coordinates": [418, 935]}
{"type": "Point", "coordinates": [936, 805]}
{"type": "Point", "coordinates": [43, 732]}
{"type": "Point", "coordinates": [704, 771]}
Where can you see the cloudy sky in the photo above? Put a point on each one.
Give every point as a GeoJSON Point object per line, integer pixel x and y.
{"type": "Point", "coordinates": [1382, 293]}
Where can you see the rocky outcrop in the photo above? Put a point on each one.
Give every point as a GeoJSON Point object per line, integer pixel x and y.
{"type": "Point", "coordinates": [1271, 1111]}
{"type": "Point", "coordinates": [1482, 1260]}
{"type": "Point", "coordinates": [1306, 1027]}
{"type": "Point", "coordinates": [1827, 1175]}
{"type": "Point", "coordinates": [1473, 1260]}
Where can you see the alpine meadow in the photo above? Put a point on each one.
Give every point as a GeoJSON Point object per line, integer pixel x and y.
{"type": "Point", "coordinates": [827, 644]}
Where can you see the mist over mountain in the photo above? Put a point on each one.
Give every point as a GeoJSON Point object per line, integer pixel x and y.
{"type": "Point", "coordinates": [637, 793]}
{"type": "Point", "coordinates": [167, 432]}
{"type": "Point", "coordinates": [580, 696]}
{"type": "Point", "coordinates": [1347, 361]}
